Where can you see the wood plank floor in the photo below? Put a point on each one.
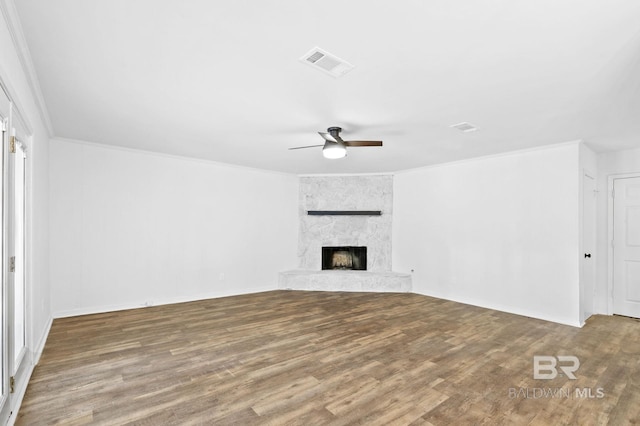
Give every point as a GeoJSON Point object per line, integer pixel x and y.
{"type": "Point", "coordinates": [311, 358]}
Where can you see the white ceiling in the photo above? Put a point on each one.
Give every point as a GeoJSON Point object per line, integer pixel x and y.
{"type": "Point", "coordinates": [222, 80]}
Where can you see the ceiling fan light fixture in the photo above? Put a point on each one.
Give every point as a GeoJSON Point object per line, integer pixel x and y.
{"type": "Point", "coordinates": [335, 147]}
{"type": "Point", "coordinates": [333, 150]}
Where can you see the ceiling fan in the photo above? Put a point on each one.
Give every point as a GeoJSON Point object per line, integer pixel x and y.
{"type": "Point", "coordinates": [334, 146]}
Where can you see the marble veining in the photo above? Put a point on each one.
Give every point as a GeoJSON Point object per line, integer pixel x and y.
{"type": "Point", "coordinates": [346, 193]}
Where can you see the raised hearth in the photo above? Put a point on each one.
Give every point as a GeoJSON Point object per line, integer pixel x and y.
{"type": "Point", "coordinates": [345, 281]}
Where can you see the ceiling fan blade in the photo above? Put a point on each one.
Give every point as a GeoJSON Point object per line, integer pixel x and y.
{"type": "Point", "coordinates": [327, 137]}
{"type": "Point", "coordinates": [363, 143]}
{"type": "Point", "coordinates": [308, 146]}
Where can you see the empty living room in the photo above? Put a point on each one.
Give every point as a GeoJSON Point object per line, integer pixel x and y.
{"type": "Point", "coordinates": [320, 213]}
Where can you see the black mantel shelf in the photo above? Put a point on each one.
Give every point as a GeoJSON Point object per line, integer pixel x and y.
{"type": "Point", "coordinates": [344, 212]}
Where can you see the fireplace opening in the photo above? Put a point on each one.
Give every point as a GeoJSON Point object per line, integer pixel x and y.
{"type": "Point", "coordinates": [344, 258]}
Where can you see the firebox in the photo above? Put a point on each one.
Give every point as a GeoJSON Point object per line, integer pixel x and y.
{"type": "Point", "coordinates": [347, 257]}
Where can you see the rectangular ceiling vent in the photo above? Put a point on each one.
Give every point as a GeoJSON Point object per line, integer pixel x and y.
{"type": "Point", "coordinates": [464, 127]}
{"type": "Point", "coordinates": [326, 62]}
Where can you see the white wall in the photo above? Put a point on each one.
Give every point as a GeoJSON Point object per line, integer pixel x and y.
{"type": "Point", "coordinates": [14, 78]}
{"type": "Point", "coordinates": [500, 232]}
{"type": "Point", "coordinates": [609, 164]}
{"type": "Point", "coordinates": [131, 228]}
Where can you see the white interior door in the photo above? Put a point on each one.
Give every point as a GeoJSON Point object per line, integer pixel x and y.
{"type": "Point", "coordinates": [626, 247]}
{"type": "Point", "coordinates": [5, 403]}
{"type": "Point", "coordinates": [14, 319]}
{"type": "Point", "coordinates": [18, 354]}
{"type": "Point", "coordinates": [587, 263]}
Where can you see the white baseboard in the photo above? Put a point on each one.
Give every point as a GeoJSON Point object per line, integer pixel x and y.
{"type": "Point", "coordinates": [163, 301]}
{"type": "Point", "coordinates": [37, 351]}
{"type": "Point", "coordinates": [507, 309]}
{"type": "Point", "coordinates": [33, 361]}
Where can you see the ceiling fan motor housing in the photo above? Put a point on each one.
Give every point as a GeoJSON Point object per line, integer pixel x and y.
{"type": "Point", "coordinates": [334, 131]}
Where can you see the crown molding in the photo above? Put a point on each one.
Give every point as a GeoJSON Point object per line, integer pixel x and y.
{"type": "Point", "coordinates": [576, 142]}
{"type": "Point", "coordinates": [14, 27]}
{"type": "Point", "coordinates": [171, 156]}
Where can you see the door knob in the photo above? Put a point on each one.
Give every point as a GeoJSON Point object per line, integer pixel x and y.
{"type": "Point", "coordinates": [587, 255]}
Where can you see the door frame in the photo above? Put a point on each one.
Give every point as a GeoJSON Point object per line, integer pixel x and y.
{"type": "Point", "coordinates": [587, 173]}
{"type": "Point", "coordinates": [610, 248]}
{"type": "Point", "coordinates": [20, 127]}
{"type": "Point", "coordinates": [5, 353]}
{"type": "Point", "coordinates": [19, 368]}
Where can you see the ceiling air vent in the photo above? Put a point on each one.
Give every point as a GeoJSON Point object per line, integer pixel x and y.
{"type": "Point", "coordinates": [464, 127]}
{"type": "Point", "coordinates": [326, 62]}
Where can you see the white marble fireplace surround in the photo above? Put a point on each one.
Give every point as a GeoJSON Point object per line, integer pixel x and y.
{"type": "Point", "coordinates": [348, 193]}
